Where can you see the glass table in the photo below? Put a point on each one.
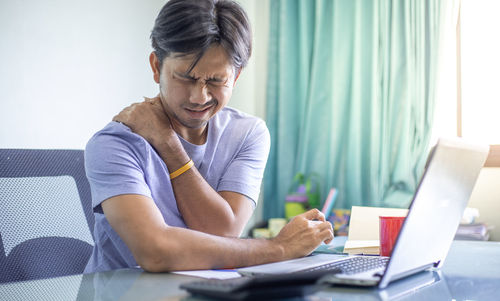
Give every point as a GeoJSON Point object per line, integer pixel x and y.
{"type": "Point", "coordinates": [471, 272]}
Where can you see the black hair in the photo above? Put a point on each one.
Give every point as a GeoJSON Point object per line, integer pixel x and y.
{"type": "Point", "coordinates": [189, 27]}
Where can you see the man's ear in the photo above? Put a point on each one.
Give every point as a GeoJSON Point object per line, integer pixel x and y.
{"type": "Point", "coordinates": [155, 66]}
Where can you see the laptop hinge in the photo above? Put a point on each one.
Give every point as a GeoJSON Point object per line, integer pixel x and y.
{"type": "Point", "coordinates": [390, 278]}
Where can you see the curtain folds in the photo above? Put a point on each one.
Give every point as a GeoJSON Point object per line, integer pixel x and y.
{"type": "Point", "coordinates": [350, 96]}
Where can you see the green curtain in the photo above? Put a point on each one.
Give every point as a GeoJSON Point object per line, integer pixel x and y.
{"type": "Point", "coordinates": [350, 96]}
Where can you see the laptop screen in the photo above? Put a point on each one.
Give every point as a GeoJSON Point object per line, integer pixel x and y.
{"type": "Point", "coordinates": [437, 207]}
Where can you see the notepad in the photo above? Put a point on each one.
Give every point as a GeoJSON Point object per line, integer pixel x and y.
{"type": "Point", "coordinates": [371, 247]}
{"type": "Point", "coordinates": [363, 237]}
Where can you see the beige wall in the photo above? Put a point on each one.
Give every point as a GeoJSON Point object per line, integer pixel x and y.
{"type": "Point", "coordinates": [486, 198]}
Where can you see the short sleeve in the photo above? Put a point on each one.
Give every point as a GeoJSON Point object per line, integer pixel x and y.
{"type": "Point", "coordinates": [113, 166]}
{"type": "Point", "coordinates": [245, 172]}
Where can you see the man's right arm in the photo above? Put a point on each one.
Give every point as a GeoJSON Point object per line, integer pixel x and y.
{"type": "Point", "coordinates": [158, 247]}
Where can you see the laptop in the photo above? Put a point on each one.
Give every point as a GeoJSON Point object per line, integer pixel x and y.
{"type": "Point", "coordinates": [425, 238]}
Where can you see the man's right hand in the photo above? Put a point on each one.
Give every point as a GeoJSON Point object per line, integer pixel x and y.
{"type": "Point", "coordinates": [304, 233]}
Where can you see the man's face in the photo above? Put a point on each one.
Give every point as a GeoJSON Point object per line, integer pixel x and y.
{"type": "Point", "coordinates": [191, 99]}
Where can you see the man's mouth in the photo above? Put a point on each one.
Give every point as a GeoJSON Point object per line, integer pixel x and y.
{"type": "Point", "coordinates": [198, 113]}
{"type": "Point", "coordinates": [198, 110]}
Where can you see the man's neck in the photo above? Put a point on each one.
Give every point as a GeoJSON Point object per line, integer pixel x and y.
{"type": "Point", "coordinates": [195, 136]}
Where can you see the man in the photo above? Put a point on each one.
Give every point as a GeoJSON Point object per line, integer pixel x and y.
{"type": "Point", "coordinates": [175, 178]}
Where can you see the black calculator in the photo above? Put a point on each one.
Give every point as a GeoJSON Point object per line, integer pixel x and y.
{"type": "Point", "coordinates": [259, 287]}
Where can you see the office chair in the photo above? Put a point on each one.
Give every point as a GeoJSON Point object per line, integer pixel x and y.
{"type": "Point", "coordinates": [46, 219]}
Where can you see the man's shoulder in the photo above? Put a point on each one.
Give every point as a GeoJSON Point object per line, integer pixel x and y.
{"type": "Point", "coordinates": [114, 135]}
{"type": "Point", "coordinates": [231, 117]}
{"type": "Point", "coordinates": [231, 123]}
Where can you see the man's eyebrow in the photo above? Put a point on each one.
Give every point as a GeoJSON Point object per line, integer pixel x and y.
{"type": "Point", "coordinates": [185, 75]}
{"type": "Point", "coordinates": [216, 79]}
{"type": "Point", "coordinates": [212, 79]}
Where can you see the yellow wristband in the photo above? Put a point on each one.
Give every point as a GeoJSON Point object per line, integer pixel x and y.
{"type": "Point", "coordinates": [181, 170]}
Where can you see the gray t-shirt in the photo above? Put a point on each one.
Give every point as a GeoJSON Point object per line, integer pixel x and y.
{"type": "Point", "coordinates": [118, 161]}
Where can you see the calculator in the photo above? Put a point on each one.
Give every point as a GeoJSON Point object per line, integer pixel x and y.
{"type": "Point", "coordinates": [259, 287]}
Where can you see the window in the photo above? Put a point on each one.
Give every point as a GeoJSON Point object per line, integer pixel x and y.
{"type": "Point", "coordinates": [478, 74]}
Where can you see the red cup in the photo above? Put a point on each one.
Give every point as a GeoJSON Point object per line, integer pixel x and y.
{"type": "Point", "coordinates": [389, 230]}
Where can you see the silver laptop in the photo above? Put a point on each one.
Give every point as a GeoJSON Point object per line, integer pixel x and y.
{"type": "Point", "coordinates": [451, 172]}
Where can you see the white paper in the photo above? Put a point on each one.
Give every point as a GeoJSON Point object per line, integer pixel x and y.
{"type": "Point", "coordinates": [211, 274]}
{"type": "Point", "coordinates": [351, 244]}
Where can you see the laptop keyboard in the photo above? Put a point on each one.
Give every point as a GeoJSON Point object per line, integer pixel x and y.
{"type": "Point", "coordinates": [354, 265]}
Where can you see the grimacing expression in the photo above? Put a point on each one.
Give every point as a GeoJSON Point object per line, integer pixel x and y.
{"type": "Point", "coordinates": [191, 99]}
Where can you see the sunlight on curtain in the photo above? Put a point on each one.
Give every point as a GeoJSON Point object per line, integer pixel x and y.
{"type": "Point", "coordinates": [350, 96]}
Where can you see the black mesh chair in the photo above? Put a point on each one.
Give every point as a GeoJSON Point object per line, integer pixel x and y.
{"type": "Point", "coordinates": [46, 219]}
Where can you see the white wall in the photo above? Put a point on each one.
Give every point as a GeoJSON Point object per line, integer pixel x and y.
{"type": "Point", "coordinates": [67, 67]}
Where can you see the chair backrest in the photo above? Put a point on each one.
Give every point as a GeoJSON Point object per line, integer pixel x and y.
{"type": "Point", "coordinates": [46, 219]}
